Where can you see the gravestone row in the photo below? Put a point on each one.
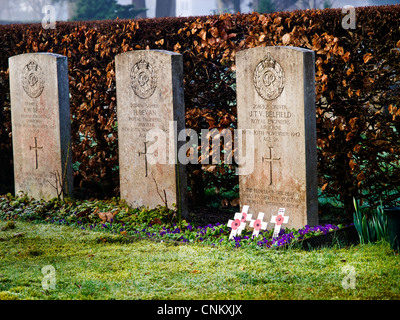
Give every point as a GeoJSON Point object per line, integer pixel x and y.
{"type": "Point", "coordinates": [276, 109]}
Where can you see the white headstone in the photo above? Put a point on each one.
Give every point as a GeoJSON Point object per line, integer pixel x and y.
{"type": "Point", "coordinates": [41, 125]}
{"type": "Point", "coordinates": [150, 100]}
{"type": "Point", "coordinates": [276, 98]}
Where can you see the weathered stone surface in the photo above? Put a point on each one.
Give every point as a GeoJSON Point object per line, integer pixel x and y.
{"type": "Point", "coordinates": [41, 125]}
{"type": "Point", "coordinates": [276, 98]}
{"type": "Point", "coordinates": [151, 113]}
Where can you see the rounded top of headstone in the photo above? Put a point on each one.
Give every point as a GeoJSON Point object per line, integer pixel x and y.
{"type": "Point", "coordinates": [149, 52]}
{"type": "Point", "coordinates": [38, 54]}
{"type": "Point", "coordinates": [271, 48]}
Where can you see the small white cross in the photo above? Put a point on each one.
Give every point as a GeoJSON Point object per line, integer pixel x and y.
{"type": "Point", "coordinates": [237, 225]}
{"type": "Point", "coordinates": [258, 224]}
{"type": "Point", "coordinates": [245, 216]}
{"type": "Point", "coordinates": [239, 222]}
{"type": "Point", "coordinates": [278, 220]}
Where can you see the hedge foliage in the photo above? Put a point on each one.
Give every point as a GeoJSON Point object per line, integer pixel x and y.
{"type": "Point", "coordinates": [357, 78]}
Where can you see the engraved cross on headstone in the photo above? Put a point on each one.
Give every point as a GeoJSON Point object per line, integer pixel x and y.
{"type": "Point", "coordinates": [145, 156]}
{"type": "Point", "coordinates": [270, 160]}
{"type": "Point", "coordinates": [36, 151]}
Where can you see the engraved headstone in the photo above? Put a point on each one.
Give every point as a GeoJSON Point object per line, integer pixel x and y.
{"type": "Point", "coordinates": [41, 125]}
{"type": "Point", "coordinates": [151, 113]}
{"type": "Point", "coordinates": [276, 98]}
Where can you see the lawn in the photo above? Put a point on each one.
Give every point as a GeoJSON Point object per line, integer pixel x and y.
{"type": "Point", "coordinates": [99, 265]}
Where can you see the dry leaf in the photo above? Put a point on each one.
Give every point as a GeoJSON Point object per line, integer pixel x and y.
{"type": "Point", "coordinates": [352, 164]}
{"type": "Point", "coordinates": [286, 39]}
{"type": "Point", "coordinates": [105, 216]}
{"type": "Point", "coordinates": [367, 57]}
{"type": "Point", "coordinates": [235, 202]}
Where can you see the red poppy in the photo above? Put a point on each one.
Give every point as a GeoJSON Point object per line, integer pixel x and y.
{"type": "Point", "coordinates": [244, 216]}
{"type": "Point", "coordinates": [257, 225]}
{"type": "Point", "coordinates": [279, 220]}
{"type": "Point", "coordinates": [235, 224]}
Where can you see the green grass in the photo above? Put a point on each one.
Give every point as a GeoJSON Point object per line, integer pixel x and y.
{"type": "Point", "coordinates": [97, 265]}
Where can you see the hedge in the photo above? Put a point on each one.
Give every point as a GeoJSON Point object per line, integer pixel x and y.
{"type": "Point", "coordinates": [357, 77]}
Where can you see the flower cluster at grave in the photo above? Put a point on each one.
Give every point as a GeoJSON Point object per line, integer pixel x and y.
{"type": "Point", "coordinates": [239, 223]}
{"type": "Point", "coordinates": [152, 224]}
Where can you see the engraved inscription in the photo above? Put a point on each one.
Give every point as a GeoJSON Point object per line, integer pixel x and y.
{"type": "Point", "coordinates": [143, 80]}
{"type": "Point", "coordinates": [272, 122]}
{"type": "Point", "coordinates": [269, 78]}
{"type": "Point", "coordinates": [261, 196]}
{"type": "Point", "coordinates": [35, 116]}
{"type": "Point", "coordinates": [142, 118]}
{"type": "Point", "coordinates": [33, 80]}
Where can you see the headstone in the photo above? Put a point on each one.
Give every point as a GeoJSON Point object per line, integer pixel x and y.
{"type": "Point", "coordinates": [151, 113]}
{"type": "Point", "coordinates": [276, 98]}
{"type": "Point", "coordinates": [41, 125]}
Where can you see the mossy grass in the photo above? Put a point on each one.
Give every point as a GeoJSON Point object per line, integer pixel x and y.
{"type": "Point", "coordinates": [100, 265]}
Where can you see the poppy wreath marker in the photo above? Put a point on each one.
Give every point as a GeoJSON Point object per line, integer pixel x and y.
{"type": "Point", "coordinates": [278, 220]}
{"type": "Point", "coordinates": [239, 222]}
{"type": "Point", "coordinates": [258, 224]}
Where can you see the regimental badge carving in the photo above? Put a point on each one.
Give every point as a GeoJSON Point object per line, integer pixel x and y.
{"type": "Point", "coordinates": [33, 79]}
{"type": "Point", "coordinates": [143, 80]}
{"type": "Point", "coordinates": [269, 78]}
